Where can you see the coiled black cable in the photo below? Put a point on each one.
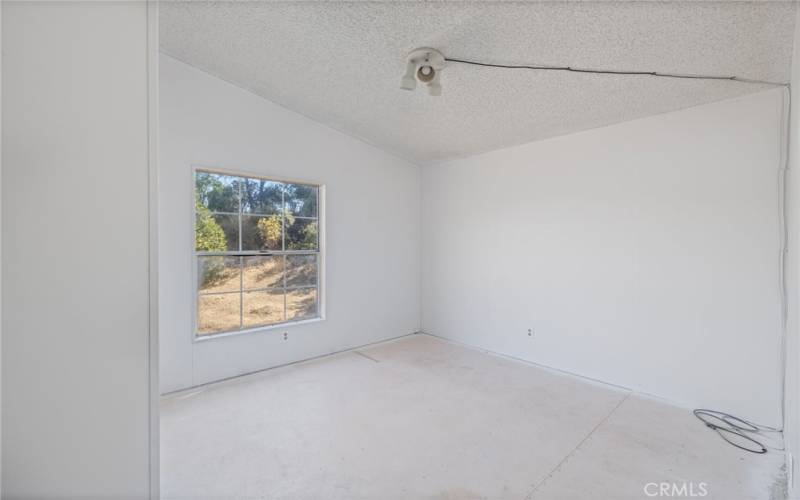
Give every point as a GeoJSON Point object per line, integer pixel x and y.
{"type": "Point", "coordinates": [734, 430]}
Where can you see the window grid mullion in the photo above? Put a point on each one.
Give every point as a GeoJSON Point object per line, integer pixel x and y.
{"type": "Point", "coordinates": [283, 219]}
{"type": "Point", "coordinates": [269, 253]}
{"type": "Point", "coordinates": [285, 264]}
{"type": "Point", "coordinates": [241, 264]}
{"type": "Point", "coordinates": [263, 289]}
{"type": "Point", "coordinates": [217, 212]}
{"type": "Point", "coordinates": [283, 247]}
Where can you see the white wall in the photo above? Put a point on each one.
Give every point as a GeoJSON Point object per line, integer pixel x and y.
{"type": "Point", "coordinates": [644, 254]}
{"type": "Point", "coordinates": [792, 394]}
{"type": "Point", "coordinates": [1, 246]}
{"type": "Point", "coordinates": [75, 250]}
{"type": "Point", "coordinates": [372, 212]}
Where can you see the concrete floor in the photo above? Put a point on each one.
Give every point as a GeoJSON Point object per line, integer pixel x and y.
{"type": "Point", "coordinates": [422, 418]}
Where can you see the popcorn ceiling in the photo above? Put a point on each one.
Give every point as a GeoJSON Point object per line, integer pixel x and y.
{"type": "Point", "coordinates": [340, 63]}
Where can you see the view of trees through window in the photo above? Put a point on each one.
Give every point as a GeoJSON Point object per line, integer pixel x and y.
{"type": "Point", "coordinates": [257, 247]}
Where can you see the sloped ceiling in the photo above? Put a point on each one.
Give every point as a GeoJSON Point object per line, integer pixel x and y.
{"type": "Point", "coordinates": [340, 63]}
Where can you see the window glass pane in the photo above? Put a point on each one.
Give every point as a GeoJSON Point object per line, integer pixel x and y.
{"type": "Point", "coordinates": [216, 232]}
{"type": "Point", "coordinates": [263, 272]}
{"type": "Point", "coordinates": [301, 303]}
{"type": "Point", "coordinates": [244, 214]}
{"type": "Point", "coordinates": [217, 313]}
{"type": "Point", "coordinates": [262, 308]}
{"type": "Point", "coordinates": [301, 270]}
{"type": "Point", "coordinates": [216, 192]}
{"type": "Point", "coordinates": [301, 199]}
{"type": "Point", "coordinates": [301, 234]}
{"type": "Point", "coordinates": [260, 196]}
{"type": "Point", "coordinates": [218, 274]}
{"type": "Point", "coordinates": [261, 233]}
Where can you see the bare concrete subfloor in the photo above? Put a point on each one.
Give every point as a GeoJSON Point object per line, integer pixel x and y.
{"type": "Point", "coordinates": [423, 418]}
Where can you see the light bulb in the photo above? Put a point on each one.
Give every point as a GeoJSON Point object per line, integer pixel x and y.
{"type": "Point", "coordinates": [426, 73]}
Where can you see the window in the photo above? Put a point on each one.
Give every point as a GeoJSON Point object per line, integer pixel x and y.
{"type": "Point", "coordinates": [257, 252]}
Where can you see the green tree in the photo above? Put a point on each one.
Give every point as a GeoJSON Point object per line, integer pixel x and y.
{"type": "Point", "coordinates": [310, 236]}
{"type": "Point", "coordinates": [219, 193]}
{"type": "Point", "coordinates": [270, 228]}
{"type": "Point", "coordinates": [209, 236]}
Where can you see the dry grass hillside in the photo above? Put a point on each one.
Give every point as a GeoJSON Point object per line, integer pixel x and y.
{"type": "Point", "coordinates": [256, 290]}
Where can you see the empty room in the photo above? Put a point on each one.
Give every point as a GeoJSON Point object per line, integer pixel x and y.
{"type": "Point", "coordinates": [400, 250]}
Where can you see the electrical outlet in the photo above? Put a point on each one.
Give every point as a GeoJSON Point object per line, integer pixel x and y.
{"type": "Point", "coordinates": [285, 335]}
{"type": "Point", "coordinates": [530, 332]}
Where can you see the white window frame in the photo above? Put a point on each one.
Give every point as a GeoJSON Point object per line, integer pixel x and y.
{"type": "Point", "coordinates": [320, 252]}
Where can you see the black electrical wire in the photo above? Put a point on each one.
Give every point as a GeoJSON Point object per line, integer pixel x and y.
{"type": "Point", "coordinates": [732, 428]}
{"type": "Point", "coordinates": [612, 71]}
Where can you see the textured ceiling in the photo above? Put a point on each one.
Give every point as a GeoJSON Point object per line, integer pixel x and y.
{"type": "Point", "coordinates": [340, 63]}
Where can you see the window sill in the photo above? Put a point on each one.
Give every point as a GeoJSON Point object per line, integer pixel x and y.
{"type": "Point", "coordinates": [258, 329]}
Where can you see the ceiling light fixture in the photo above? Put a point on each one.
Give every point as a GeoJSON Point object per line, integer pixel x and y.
{"type": "Point", "coordinates": [424, 65]}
